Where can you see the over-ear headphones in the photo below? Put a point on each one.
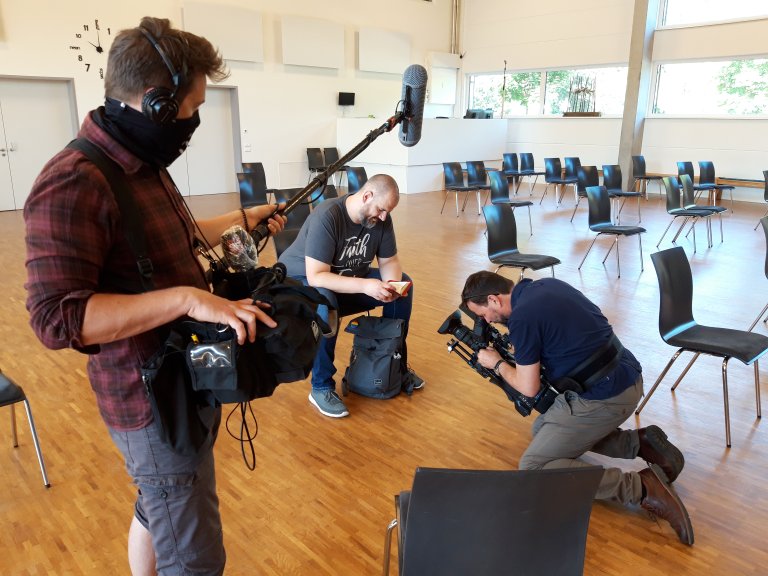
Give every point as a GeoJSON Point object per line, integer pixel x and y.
{"type": "Point", "coordinates": [159, 104]}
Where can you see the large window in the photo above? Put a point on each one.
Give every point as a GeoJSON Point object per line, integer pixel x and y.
{"type": "Point", "coordinates": [682, 12]}
{"type": "Point", "coordinates": [738, 87]}
{"type": "Point", "coordinates": [551, 93]}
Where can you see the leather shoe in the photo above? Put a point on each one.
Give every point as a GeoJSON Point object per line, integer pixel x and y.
{"type": "Point", "coordinates": [656, 449]}
{"type": "Point", "coordinates": [662, 501]}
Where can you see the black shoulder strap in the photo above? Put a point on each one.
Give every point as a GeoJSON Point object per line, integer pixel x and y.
{"type": "Point", "coordinates": [129, 211]}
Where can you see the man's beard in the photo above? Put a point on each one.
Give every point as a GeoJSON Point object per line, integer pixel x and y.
{"type": "Point", "coordinates": [367, 222]}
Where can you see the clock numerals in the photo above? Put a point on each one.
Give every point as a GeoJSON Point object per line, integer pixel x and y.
{"type": "Point", "coordinates": [101, 73]}
{"type": "Point", "coordinates": [90, 34]}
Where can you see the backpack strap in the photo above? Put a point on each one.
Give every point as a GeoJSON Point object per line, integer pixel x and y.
{"type": "Point", "coordinates": [129, 211]}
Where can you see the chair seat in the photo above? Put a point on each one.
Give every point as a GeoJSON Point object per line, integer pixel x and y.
{"type": "Point", "coordinates": [647, 177]}
{"type": "Point", "coordinates": [624, 194]}
{"type": "Point", "coordinates": [615, 229]}
{"type": "Point", "coordinates": [744, 346]}
{"type": "Point", "coordinates": [461, 188]}
{"type": "Point", "coordinates": [562, 181]}
{"type": "Point", "coordinates": [715, 209]}
{"type": "Point", "coordinates": [518, 260]}
{"type": "Point", "coordinates": [10, 393]}
{"type": "Point", "coordinates": [723, 187]}
{"type": "Point", "coordinates": [687, 212]}
{"type": "Point", "coordinates": [513, 203]}
{"type": "Point", "coordinates": [531, 173]}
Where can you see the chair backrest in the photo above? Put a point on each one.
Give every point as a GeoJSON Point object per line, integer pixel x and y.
{"type": "Point", "coordinates": [315, 159]}
{"type": "Point", "coordinates": [510, 162]}
{"type": "Point", "coordinates": [251, 194]}
{"type": "Point", "coordinates": [764, 222]}
{"type": "Point", "coordinates": [298, 215]}
{"type": "Point", "coordinates": [685, 168]}
{"type": "Point", "coordinates": [587, 176]}
{"type": "Point", "coordinates": [356, 177]}
{"type": "Point", "coordinates": [253, 168]}
{"type": "Point", "coordinates": [453, 174]}
{"type": "Point", "coordinates": [284, 239]}
{"type": "Point", "coordinates": [672, 188]}
{"type": "Point", "coordinates": [476, 174]}
{"type": "Point", "coordinates": [765, 191]}
{"type": "Point", "coordinates": [552, 169]}
{"type": "Point", "coordinates": [499, 187]}
{"type": "Point", "coordinates": [572, 164]}
{"type": "Point", "coordinates": [689, 195]}
{"type": "Point", "coordinates": [502, 229]}
{"type": "Point", "coordinates": [706, 172]}
{"type": "Point", "coordinates": [330, 155]}
{"type": "Point", "coordinates": [612, 176]}
{"type": "Point", "coordinates": [526, 161]}
{"type": "Point", "coordinates": [638, 166]}
{"type": "Point", "coordinates": [491, 522]}
{"type": "Point", "coordinates": [675, 290]}
{"type": "Point", "coordinates": [599, 206]}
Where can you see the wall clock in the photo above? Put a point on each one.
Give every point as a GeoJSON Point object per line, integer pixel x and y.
{"type": "Point", "coordinates": [90, 46]}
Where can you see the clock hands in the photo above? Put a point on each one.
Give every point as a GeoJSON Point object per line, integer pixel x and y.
{"type": "Point", "coordinates": [98, 47]}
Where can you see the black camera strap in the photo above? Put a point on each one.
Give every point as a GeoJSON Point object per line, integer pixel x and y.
{"type": "Point", "coordinates": [129, 211]}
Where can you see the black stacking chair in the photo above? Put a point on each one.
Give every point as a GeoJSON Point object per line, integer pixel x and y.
{"type": "Point", "coordinates": [511, 169]}
{"type": "Point", "coordinates": [256, 169]}
{"type": "Point", "coordinates": [284, 239]}
{"type": "Point", "coordinates": [587, 176]}
{"type": "Point", "coordinates": [297, 216]}
{"type": "Point", "coordinates": [553, 174]}
{"type": "Point", "coordinates": [676, 210]}
{"type": "Point", "coordinates": [707, 178]}
{"type": "Point", "coordinates": [477, 176]}
{"type": "Point", "coordinates": [678, 328]}
{"type": "Point", "coordinates": [251, 193]}
{"type": "Point", "coordinates": [491, 522]}
{"type": "Point", "coordinates": [528, 171]}
{"type": "Point", "coordinates": [764, 222]}
{"type": "Point", "coordinates": [687, 168]}
{"type": "Point", "coordinates": [356, 177]}
{"type": "Point", "coordinates": [641, 176]}
{"type": "Point", "coordinates": [689, 203]}
{"type": "Point", "coordinates": [500, 195]}
{"type": "Point", "coordinates": [10, 395]}
{"type": "Point", "coordinates": [502, 242]}
{"type": "Point", "coordinates": [331, 155]}
{"type": "Point", "coordinates": [572, 165]}
{"type": "Point", "coordinates": [454, 182]}
{"type": "Point", "coordinates": [600, 221]}
{"type": "Point", "coordinates": [315, 162]}
{"type": "Point", "coordinates": [612, 180]}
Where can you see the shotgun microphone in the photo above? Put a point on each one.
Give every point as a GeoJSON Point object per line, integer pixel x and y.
{"type": "Point", "coordinates": [413, 96]}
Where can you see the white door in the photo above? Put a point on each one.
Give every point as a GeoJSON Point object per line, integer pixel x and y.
{"type": "Point", "coordinates": [6, 184]}
{"type": "Point", "coordinates": [37, 121]}
{"type": "Point", "coordinates": [208, 165]}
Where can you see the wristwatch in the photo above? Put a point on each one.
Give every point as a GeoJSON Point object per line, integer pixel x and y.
{"type": "Point", "coordinates": [497, 368]}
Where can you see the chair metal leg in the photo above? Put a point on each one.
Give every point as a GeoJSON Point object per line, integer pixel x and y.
{"type": "Point", "coordinates": [757, 390]}
{"type": "Point", "coordinates": [640, 241]}
{"type": "Point", "coordinates": [685, 371]}
{"type": "Point", "coordinates": [578, 199]}
{"type": "Point", "coordinates": [37, 443]}
{"type": "Point", "coordinates": [658, 381]}
{"type": "Point", "coordinates": [479, 207]}
{"type": "Point", "coordinates": [444, 201]}
{"type": "Point", "coordinates": [665, 232]}
{"type": "Point", "coordinates": [13, 427]}
{"type": "Point", "coordinates": [545, 193]}
{"type": "Point", "coordinates": [588, 250]}
{"type": "Point", "coordinates": [725, 403]}
{"type": "Point", "coordinates": [614, 243]}
{"type": "Point", "coordinates": [388, 546]}
{"type": "Point", "coordinates": [530, 222]}
{"type": "Point", "coordinates": [763, 311]}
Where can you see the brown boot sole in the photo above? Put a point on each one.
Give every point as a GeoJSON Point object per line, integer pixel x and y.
{"type": "Point", "coordinates": [657, 440]}
{"type": "Point", "coordinates": [662, 477]}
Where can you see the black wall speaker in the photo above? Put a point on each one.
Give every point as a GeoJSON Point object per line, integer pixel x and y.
{"type": "Point", "coordinates": [346, 98]}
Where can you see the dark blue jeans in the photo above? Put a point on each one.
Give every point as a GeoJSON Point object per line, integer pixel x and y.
{"type": "Point", "coordinates": [346, 305]}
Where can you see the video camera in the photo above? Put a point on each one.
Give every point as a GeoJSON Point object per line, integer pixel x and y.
{"type": "Point", "coordinates": [466, 343]}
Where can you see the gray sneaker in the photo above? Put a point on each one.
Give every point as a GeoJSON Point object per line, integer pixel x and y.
{"type": "Point", "coordinates": [329, 403]}
{"type": "Point", "coordinates": [418, 383]}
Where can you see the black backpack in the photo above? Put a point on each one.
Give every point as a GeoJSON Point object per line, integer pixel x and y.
{"type": "Point", "coordinates": [376, 368]}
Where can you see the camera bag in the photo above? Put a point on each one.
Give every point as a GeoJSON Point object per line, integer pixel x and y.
{"type": "Point", "coordinates": [376, 369]}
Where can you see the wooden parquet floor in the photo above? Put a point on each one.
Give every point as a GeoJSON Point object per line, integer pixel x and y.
{"type": "Point", "coordinates": [322, 493]}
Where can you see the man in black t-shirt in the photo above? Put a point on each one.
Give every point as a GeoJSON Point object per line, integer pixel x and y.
{"type": "Point", "coordinates": [333, 253]}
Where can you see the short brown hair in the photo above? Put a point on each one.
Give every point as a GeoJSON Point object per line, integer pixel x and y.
{"type": "Point", "coordinates": [135, 65]}
{"type": "Point", "coordinates": [482, 284]}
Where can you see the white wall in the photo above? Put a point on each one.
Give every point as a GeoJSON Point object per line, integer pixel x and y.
{"type": "Point", "coordinates": [283, 109]}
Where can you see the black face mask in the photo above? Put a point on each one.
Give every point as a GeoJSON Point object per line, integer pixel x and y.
{"type": "Point", "coordinates": [153, 143]}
